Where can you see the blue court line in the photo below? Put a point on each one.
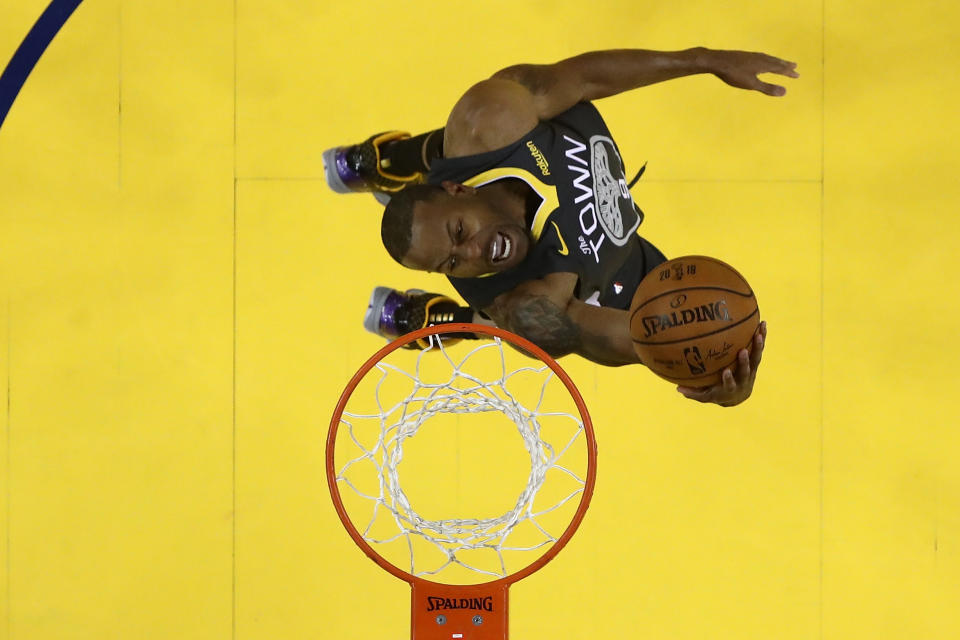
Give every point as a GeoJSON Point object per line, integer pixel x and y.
{"type": "Point", "coordinates": [30, 50]}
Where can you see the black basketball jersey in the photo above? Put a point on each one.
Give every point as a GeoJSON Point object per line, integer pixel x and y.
{"type": "Point", "coordinates": [586, 222]}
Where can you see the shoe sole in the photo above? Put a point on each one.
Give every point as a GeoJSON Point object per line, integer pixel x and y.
{"type": "Point", "coordinates": [334, 181]}
{"type": "Point", "coordinates": [371, 320]}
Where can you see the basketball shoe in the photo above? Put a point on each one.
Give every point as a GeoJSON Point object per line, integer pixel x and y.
{"type": "Point", "coordinates": [392, 313]}
{"type": "Point", "coordinates": [359, 168]}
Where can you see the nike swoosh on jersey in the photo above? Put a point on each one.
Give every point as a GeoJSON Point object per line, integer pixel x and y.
{"type": "Point", "coordinates": [563, 251]}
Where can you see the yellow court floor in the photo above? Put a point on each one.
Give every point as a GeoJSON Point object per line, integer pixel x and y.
{"type": "Point", "coordinates": [181, 299]}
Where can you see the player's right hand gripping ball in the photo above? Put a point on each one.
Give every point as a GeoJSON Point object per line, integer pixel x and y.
{"type": "Point", "coordinates": [690, 317]}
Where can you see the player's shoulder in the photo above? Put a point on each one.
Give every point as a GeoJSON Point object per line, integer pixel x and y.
{"type": "Point", "coordinates": [491, 114]}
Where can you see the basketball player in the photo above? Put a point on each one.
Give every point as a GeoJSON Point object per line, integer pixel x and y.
{"type": "Point", "coordinates": [521, 200]}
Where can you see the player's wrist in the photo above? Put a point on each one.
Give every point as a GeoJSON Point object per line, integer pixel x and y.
{"type": "Point", "coordinates": [701, 59]}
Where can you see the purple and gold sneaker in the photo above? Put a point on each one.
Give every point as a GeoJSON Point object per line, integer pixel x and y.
{"type": "Point", "coordinates": [392, 313]}
{"type": "Point", "coordinates": [360, 169]}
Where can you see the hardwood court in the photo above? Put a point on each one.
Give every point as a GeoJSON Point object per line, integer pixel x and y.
{"type": "Point", "coordinates": [182, 300]}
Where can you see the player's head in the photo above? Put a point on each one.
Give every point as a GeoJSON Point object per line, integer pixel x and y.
{"type": "Point", "coordinates": [452, 229]}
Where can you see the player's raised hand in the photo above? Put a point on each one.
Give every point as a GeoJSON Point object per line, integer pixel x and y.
{"type": "Point", "coordinates": [736, 385]}
{"type": "Point", "coordinates": [741, 68]}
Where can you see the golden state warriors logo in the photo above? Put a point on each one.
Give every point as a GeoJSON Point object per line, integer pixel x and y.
{"type": "Point", "coordinates": [600, 190]}
{"type": "Point", "coordinates": [615, 207]}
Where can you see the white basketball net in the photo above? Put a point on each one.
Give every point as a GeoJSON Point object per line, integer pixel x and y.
{"type": "Point", "coordinates": [462, 392]}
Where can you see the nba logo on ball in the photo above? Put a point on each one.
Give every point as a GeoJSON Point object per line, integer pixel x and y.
{"type": "Point", "coordinates": [694, 360]}
{"type": "Point", "coordinates": [690, 317]}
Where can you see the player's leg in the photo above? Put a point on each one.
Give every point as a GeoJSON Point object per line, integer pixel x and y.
{"type": "Point", "coordinates": [392, 313]}
{"type": "Point", "coordinates": [384, 163]}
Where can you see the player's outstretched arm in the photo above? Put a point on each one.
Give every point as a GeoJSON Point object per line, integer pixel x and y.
{"type": "Point", "coordinates": [546, 313]}
{"type": "Point", "coordinates": [591, 332]}
{"type": "Point", "coordinates": [599, 74]}
{"type": "Point", "coordinates": [498, 111]}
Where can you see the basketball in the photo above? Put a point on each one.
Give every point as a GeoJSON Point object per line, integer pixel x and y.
{"type": "Point", "coordinates": [690, 317]}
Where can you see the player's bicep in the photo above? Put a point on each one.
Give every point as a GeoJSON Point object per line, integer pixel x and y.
{"type": "Point", "coordinates": [490, 115]}
{"type": "Point", "coordinates": [560, 328]}
{"type": "Point", "coordinates": [554, 87]}
{"type": "Point", "coordinates": [541, 321]}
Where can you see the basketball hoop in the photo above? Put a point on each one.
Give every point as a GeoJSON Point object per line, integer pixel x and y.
{"type": "Point", "coordinates": [459, 568]}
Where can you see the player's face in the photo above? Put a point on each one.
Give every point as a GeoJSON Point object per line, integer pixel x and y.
{"type": "Point", "coordinates": [464, 235]}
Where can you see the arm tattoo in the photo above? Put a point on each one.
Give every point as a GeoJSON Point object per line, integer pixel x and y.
{"type": "Point", "coordinates": [545, 324]}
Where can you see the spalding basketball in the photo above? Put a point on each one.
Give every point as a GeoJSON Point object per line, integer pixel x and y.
{"type": "Point", "coordinates": [690, 317]}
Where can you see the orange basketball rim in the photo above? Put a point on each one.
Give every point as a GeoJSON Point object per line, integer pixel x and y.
{"type": "Point", "coordinates": [440, 610]}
